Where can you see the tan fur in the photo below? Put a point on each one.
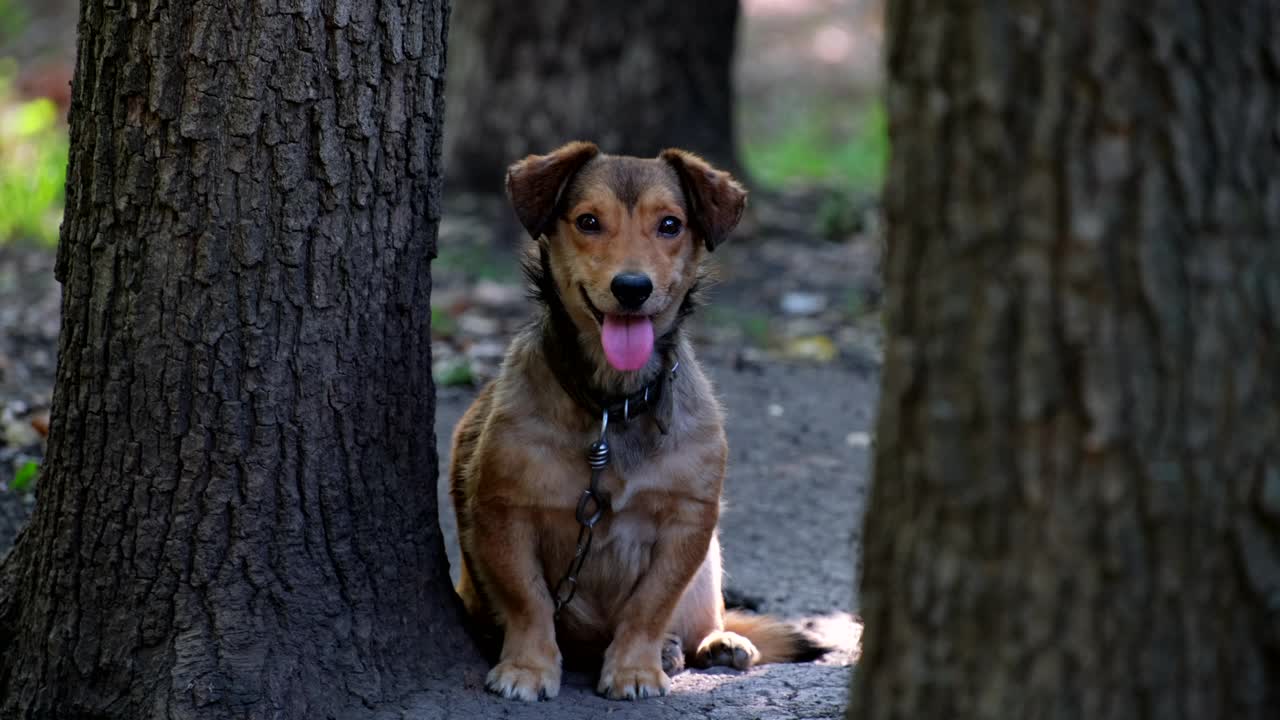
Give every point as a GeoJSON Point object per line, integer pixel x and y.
{"type": "Point", "coordinates": [518, 455]}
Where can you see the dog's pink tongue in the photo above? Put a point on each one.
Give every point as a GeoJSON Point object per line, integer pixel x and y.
{"type": "Point", "coordinates": [627, 340]}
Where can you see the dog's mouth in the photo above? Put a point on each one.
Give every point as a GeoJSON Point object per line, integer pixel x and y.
{"type": "Point", "coordinates": [595, 311]}
{"type": "Point", "coordinates": [627, 339]}
{"type": "Point", "coordinates": [600, 315]}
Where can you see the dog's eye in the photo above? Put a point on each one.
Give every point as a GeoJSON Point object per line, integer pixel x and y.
{"type": "Point", "coordinates": [669, 226]}
{"type": "Point", "coordinates": [588, 223]}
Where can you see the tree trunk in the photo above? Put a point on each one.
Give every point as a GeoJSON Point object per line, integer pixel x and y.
{"type": "Point", "coordinates": [634, 77]}
{"type": "Point", "coordinates": [237, 513]}
{"type": "Point", "coordinates": [1076, 508]}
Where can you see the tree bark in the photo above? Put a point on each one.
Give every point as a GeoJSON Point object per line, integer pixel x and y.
{"type": "Point", "coordinates": [1076, 506]}
{"type": "Point", "coordinates": [237, 512]}
{"type": "Point", "coordinates": [634, 77]}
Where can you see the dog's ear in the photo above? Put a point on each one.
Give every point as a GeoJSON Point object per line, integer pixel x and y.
{"type": "Point", "coordinates": [716, 200]}
{"type": "Point", "coordinates": [536, 183]}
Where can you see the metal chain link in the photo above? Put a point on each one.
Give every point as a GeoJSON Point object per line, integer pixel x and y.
{"type": "Point", "coordinates": [590, 509]}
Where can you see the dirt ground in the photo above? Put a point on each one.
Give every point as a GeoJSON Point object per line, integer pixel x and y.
{"type": "Point", "coordinates": [794, 501]}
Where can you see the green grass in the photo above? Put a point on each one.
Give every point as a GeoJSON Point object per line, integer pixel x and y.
{"type": "Point", "coordinates": [33, 166]}
{"type": "Point", "coordinates": [814, 148]}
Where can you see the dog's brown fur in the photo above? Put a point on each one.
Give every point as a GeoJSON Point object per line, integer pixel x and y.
{"type": "Point", "coordinates": [653, 573]}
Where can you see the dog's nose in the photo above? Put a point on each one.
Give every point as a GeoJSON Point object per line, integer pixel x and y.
{"type": "Point", "coordinates": [631, 289]}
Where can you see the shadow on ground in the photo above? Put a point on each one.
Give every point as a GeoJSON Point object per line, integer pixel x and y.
{"type": "Point", "coordinates": [774, 692]}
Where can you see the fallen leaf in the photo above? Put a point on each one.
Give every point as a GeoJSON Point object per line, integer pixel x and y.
{"type": "Point", "coordinates": [812, 347]}
{"type": "Point", "coordinates": [24, 477]}
{"type": "Point", "coordinates": [41, 424]}
{"type": "Point", "coordinates": [453, 372]}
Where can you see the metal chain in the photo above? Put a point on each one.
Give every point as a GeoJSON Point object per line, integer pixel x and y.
{"type": "Point", "coordinates": [591, 506]}
{"type": "Point", "coordinates": [590, 510]}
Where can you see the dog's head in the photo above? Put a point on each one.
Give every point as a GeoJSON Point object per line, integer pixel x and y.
{"type": "Point", "coordinates": [624, 237]}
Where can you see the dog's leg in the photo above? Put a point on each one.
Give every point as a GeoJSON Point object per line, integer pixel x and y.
{"type": "Point", "coordinates": [529, 666]}
{"type": "Point", "coordinates": [699, 620]}
{"type": "Point", "coordinates": [701, 608]}
{"type": "Point", "coordinates": [633, 662]}
{"type": "Point", "coordinates": [672, 654]}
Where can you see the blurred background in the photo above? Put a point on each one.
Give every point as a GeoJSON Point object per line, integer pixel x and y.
{"type": "Point", "coordinates": [786, 93]}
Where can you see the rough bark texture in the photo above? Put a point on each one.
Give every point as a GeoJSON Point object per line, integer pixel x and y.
{"type": "Point", "coordinates": [1076, 505]}
{"type": "Point", "coordinates": [634, 77]}
{"type": "Point", "coordinates": [237, 513]}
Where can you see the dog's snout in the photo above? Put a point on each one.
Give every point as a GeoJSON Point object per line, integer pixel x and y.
{"type": "Point", "coordinates": [631, 289]}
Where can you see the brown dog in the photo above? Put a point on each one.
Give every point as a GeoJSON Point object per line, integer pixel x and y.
{"type": "Point", "coordinates": [619, 243]}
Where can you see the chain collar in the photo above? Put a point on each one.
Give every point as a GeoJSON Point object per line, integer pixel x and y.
{"type": "Point", "coordinates": [626, 408]}
{"type": "Point", "coordinates": [644, 400]}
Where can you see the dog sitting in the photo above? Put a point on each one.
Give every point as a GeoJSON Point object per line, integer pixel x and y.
{"type": "Point", "coordinates": [616, 260]}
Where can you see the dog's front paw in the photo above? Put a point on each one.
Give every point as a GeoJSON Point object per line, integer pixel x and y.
{"type": "Point", "coordinates": [632, 682]}
{"type": "Point", "coordinates": [524, 680]}
{"type": "Point", "coordinates": [726, 649]}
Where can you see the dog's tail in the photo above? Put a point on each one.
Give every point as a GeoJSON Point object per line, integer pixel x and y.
{"type": "Point", "coordinates": [777, 641]}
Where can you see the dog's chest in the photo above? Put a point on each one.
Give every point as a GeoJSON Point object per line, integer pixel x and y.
{"type": "Point", "coordinates": [621, 554]}
{"type": "Point", "coordinates": [654, 487]}
{"type": "Point", "coordinates": [624, 544]}
{"type": "Point", "coordinates": [635, 499]}
{"type": "Point", "coordinates": [638, 500]}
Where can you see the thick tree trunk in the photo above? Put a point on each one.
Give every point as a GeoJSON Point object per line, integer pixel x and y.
{"type": "Point", "coordinates": [635, 77]}
{"type": "Point", "coordinates": [1076, 510]}
{"type": "Point", "coordinates": [237, 513]}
